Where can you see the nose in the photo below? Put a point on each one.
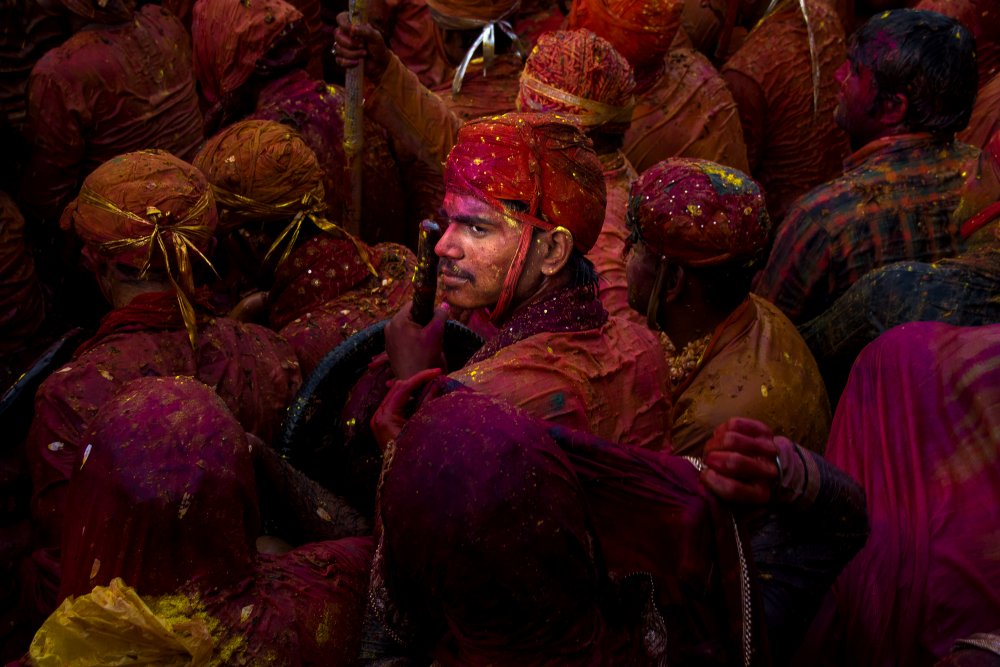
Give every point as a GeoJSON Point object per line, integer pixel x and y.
{"type": "Point", "coordinates": [447, 245]}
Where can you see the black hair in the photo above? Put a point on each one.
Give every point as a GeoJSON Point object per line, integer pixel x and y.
{"type": "Point", "coordinates": [926, 56]}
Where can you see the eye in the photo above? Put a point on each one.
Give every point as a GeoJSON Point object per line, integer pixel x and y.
{"type": "Point", "coordinates": [477, 230]}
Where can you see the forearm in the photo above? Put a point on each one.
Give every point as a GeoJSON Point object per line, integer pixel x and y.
{"type": "Point", "coordinates": [305, 508]}
{"type": "Point", "coordinates": [419, 121]}
{"type": "Point", "coordinates": [806, 540]}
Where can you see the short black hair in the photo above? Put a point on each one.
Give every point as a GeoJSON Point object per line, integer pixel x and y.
{"type": "Point", "coordinates": [927, 56]}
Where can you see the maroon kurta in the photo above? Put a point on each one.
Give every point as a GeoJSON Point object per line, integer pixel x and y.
{"type": "Point", "coordinates": [107, 91]}
{"type": "Point", "coordinates": [325, 326]}
{"type": "Point", "coordinates": [250, 367]}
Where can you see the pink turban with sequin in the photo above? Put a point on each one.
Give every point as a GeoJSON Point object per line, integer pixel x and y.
{"type": "Point", "coordinates": [699, 213]}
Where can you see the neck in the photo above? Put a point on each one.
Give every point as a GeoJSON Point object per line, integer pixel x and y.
{"type": "Point", "coordinates": [121, 294]}
{"type": "Point", "coordinates": [545, 288]}
{"type": "Point", "coordinates": [688, 318]}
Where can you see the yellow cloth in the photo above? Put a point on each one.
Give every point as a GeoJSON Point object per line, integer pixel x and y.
{"type": "Point", "coordinates": [758, 366]}
{"type": "Point", "coordinates": [112, 626]}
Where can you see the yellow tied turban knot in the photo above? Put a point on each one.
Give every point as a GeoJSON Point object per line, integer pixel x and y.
{"type": "Point", "coordinates": [262, 171]}
{"type": "Point", "coordinates": [148, 210]}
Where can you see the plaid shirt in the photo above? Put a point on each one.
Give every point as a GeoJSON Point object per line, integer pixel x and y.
{"type": "Point", "coordinates": [893, 203]}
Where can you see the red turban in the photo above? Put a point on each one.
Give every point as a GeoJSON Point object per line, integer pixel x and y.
{"type": "Point", "coordinates": [230, 36]}
{"type": "Point", "coordinates": [147, 210]}
{"type": "Point", "coordinates": [641, 30]}
{"type": "Point", "coordinates": [577, 73]}
{"type": "Point", "coordinates": [699, 213]}
{"type": "Point", "coordinates": [539, 159]}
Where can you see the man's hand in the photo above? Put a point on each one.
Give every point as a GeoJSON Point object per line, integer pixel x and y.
{"type": "Point", "coordinates": [357, 44]}
{"type": "Point", "coordinates": [392, 414]}
{"type": "Point", "coordinates": [411, 347]}
{"type": "Point", "coordinates": [741, 461]}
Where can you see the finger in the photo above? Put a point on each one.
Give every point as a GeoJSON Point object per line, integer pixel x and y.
{"type": "Point", "coordinates": [441, 314]}
{"type": "Point", "coordinates": [735, 491]}
{"type": "Point", "coordinates": [746, 426]}
{"type": "Point", "coordinates": [746, 468]}
{"type": "Point", "coordinates": [403, 390]}
{"type": "Point", "coordinates": [736, 442]}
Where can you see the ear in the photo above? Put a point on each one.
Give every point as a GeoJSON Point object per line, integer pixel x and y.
{"type": "Point", "coordinates": [894, 110]}
{"type": "Point", "coordinates": [673, 283]}
{"type": "Point", "coordinates": [554, 248]}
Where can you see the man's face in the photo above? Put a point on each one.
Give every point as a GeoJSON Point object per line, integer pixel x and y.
{"type": "Point", "coordinates": [476, 251]}
{"type": "Point", "coordinates": [640, 273]}
{"type": "Point", "coordinates": [856, 111]}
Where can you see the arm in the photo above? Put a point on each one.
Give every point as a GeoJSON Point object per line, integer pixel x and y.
{"type": "Point", "coordinates": [419, 120]}
{"type": "Point", "coordinates": [804, 543]}
{"type": "Point", "coordinates": [816, 520]}
{"type": "Point", "coordinates": [56, 128]}
{"type": "Point", "coordinates": [796, 276]}
{"type": "Point", "coordinates": [301, 504]}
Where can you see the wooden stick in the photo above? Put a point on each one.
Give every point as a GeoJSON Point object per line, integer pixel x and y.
{"type": "Point", "coordinates": [354, 140]}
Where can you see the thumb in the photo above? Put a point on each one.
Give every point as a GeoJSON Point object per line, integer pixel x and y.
{"type": "Point", "coordinates": [441, 315]}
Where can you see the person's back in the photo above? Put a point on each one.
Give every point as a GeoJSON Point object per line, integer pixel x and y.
{"type": "Point", "coordinates": [906, 88]}
{"type": "Point", "coordinates": [690, 94]}
{"type": "Point", "coordinates": [782, 80]}
{"type": "Point", "coordinates": [959, 290]}
{"type": "Point", "coordinates": [917, 426]}
{"type": "Point", "coordinates": [683, 107]}
{"type": "Point", "coordinates": [108, 90]}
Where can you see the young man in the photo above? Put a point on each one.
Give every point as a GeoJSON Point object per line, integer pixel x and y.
{"type": "Point", "coordinates": [906, 88]}
{"type": "Point", "coordinates": [524, 201]}
{"type": "Point", "coordinates": [699, 230]}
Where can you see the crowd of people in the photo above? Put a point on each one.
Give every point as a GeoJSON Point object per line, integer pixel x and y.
{"type": "Point", "coordinates": [732, 273]}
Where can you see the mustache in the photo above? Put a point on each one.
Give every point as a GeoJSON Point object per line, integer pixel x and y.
{"type": "Point", "coordinates": [448, 267]}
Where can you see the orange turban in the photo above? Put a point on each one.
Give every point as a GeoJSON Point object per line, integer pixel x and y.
{"type": "Point", "coordinates": [263, 171]}
{"type": "Point", "coordinates": [579, 74]}
{"type": "Point", "coordinates": [699, 213]}
{"type": "Point", "coordinates": [230, 36]}
{"type": "Point", "coordinates": [541, 160]}
{"type": "Point", "coordinates": [147, 210]}
{"type": "Point", "coordinates": [641, 30]}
